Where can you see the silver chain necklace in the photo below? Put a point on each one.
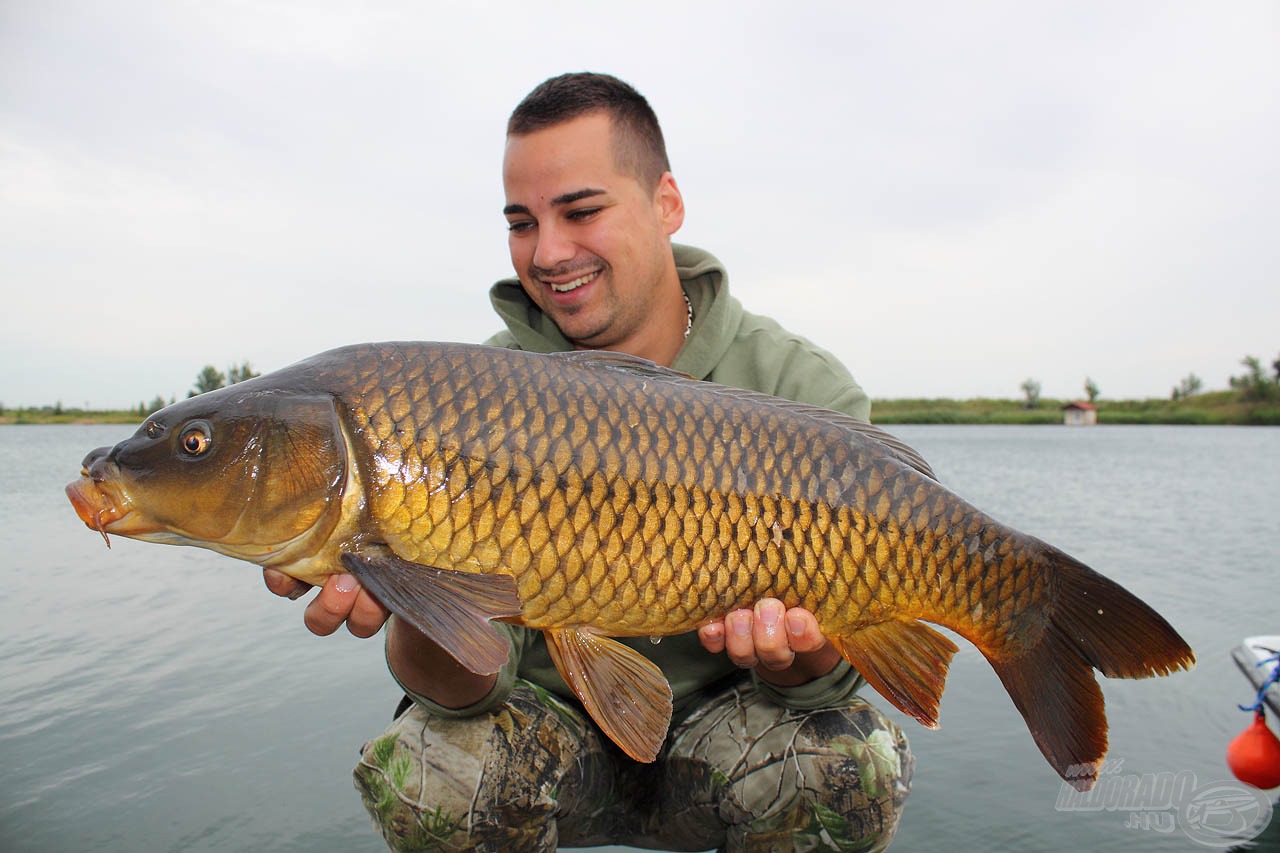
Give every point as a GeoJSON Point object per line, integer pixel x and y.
{"type": "Point", "coordinates": [688, 310]}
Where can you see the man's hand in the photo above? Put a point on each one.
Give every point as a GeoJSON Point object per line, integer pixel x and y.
{"type": "Point", "coordinates": [341, 599]}
{"type": "Point", "coordinates": [786, 647]}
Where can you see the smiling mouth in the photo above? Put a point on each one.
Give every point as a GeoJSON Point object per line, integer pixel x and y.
{"type": "Point", "coordinates": [572, 284]}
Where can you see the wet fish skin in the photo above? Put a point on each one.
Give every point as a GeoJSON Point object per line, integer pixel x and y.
{"type": "Point", "coordinates": [591, 494]}
{"type": "Point", "coordinates": [628, 502]}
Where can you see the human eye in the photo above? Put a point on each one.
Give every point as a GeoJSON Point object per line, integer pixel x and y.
{"type": "Point", "coordinates": [582, 214]}
{"type": "Point", "coordinates": [520, 226]}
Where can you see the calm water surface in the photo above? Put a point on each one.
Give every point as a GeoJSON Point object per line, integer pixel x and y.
{"type": "Point", "coordinates": [158, 698]}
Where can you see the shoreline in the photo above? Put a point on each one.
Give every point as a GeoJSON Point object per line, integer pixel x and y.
{"type": "Point", "coordinates": [1215, 408]}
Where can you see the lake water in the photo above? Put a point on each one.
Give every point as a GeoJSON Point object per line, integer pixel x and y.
{"type": "Point", "coordinates": [159, 698]}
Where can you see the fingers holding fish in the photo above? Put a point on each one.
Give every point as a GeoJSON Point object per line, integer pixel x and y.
{"type": "Point", "coordinates": [739, 638]}
{"type": "Point", "coordinates": [804, 634]}
{"type": "Point", "coordinates": [770, 645]}
{"type": "Point", "coordinates": [815, 656]}
{"type": "Point", "coordinates": [283, 585]}
{"type": "Point", "coordinates": [367, 616]}
{"type": "Point", "coordinates": [712, 636]}
{"type": "Point", "coordinates": [343, 600]}
{"type": "Point", "coordinates": [768, 636]}
{"type": "Point", "coordinates": [735, 635]}
{"type": "Point", "coordinates": [787, 647]}
{"type": "Point", "coordinates": [330, 608]}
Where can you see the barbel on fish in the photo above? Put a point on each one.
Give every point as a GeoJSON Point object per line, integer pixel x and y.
{"type": "Point", "coordinates": [593, 495]}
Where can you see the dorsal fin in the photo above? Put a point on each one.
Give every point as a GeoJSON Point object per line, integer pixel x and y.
{"type": "Point", "coordinates": [900, 450]}
{"type": "Point", "coordinates": [621, 361]}
{"type": "Point", "coordinates": [636, 366]}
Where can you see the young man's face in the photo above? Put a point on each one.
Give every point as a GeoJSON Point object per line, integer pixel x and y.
{"type": "Point", "coordinates": [589, 243]}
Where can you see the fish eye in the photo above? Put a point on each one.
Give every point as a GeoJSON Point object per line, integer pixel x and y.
{"type": "Point", "coordinates": [154, 430]}
{"type": "Point", "coordinates": [195, 440]}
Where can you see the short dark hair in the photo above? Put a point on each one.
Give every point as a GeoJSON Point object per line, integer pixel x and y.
{"type": "Point", "coordinates": [638, 146]}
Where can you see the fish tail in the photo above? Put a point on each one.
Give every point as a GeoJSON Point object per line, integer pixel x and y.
{"type": "Point", "coordinates": [1092, 623]}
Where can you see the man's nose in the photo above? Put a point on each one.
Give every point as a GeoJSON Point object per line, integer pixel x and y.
{"type": "Point", "coordinates": [554, 247]}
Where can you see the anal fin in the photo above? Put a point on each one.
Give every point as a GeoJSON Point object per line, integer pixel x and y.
{"type": "Point", "coordinates": [623, 691]}
{"type": "Point", "coordinates": [906, 661]}
{"type": "Point", "coordinates": [452, 608]}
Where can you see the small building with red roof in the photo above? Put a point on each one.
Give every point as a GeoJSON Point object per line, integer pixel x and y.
{"type": "Point", "coordinates": [1076, 413]}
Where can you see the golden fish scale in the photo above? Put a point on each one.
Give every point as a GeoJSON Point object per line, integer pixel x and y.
{"type": "Point", "coordinates": [637, 505]}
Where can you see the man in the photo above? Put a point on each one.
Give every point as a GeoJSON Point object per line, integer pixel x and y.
{"type": "Point", "coordinates": [786, 757]}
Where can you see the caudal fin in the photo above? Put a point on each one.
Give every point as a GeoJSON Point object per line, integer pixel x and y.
{"type": "Point", "coordinates": [1093, 623]}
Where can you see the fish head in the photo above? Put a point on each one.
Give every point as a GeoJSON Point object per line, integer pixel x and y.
{"type": "Point", "coordinates": [256, 474]}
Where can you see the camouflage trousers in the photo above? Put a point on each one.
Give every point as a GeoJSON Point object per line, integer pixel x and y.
{"type": "Point", "coordinates": [740, 773]}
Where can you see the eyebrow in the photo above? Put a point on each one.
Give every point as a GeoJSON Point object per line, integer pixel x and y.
{"type": "Point", "coordinates": [558, 201]}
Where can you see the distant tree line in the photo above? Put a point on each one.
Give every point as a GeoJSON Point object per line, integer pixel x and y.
{"type": "Point", "coordinates": [1091, 389]}
{"type": "Point", "coordinates": [1188, 387]}
{"type": "Point", "coordinates": [1255, 385]}
{"type": "Point", "coordinates": [1031, 392]}
{"type": "Point", "coordinates": [157, 403]}
{"type": "Point", "coordinates": [209, 378]}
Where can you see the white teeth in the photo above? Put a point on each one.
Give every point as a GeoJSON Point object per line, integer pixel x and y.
{"type": "Point", "coordinates": [572, 285]}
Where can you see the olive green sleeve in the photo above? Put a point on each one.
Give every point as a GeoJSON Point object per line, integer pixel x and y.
{"type": "Point", "coordinates": [519, 638]}
{"type": "Point", "coordinates": [502, 339]}
{"type": "Point", "coordinates": [835, 687]}
{"type": "Point", "coordinates": [812, 375]}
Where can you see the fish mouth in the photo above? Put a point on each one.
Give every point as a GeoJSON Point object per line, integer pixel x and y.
{"type": "Point", "coordinates": [94, 508]}
{"type": "Point", "coordinates": [101, 511]}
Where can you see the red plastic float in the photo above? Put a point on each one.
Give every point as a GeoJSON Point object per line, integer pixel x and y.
{"type": "Point", "coordinates": [1254, 755]}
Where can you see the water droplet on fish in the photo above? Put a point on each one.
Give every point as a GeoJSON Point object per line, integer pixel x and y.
{"type": "Point", "coordinates": [655, 640]}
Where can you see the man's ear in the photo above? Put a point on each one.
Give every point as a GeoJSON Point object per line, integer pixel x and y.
{"type": "Point", "coordinates": [670, 204]}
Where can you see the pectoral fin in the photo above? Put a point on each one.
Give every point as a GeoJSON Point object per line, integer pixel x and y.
{"type": "Point", "coordinates": [905, 661]}
{"type": "Point", "coordinates": [452, 608]}
{"type": "Point", "coordinates": [623, 691]}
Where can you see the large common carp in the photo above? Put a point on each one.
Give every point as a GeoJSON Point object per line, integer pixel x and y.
{"type": "Point", "coordinates": [592, 495]}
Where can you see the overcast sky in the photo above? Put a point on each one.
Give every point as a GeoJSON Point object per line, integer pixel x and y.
{"type": "Point", "coordinates": [951, 197]}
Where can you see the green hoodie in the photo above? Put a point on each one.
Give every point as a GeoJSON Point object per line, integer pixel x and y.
{"type": "Point", "coordinates": [727, 344]}
{"type": "Point", "coordinates": [730, 346]}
